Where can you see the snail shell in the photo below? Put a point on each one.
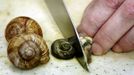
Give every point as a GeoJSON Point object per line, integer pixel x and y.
{"type": "Point", "coordinates": [86, 44]}
{"type": "Point", "coordinates": [26, 51]}
{"type": "Point", "coordinates": [21, 25]}
{"type": "Point", "coordinates": [62, 49]}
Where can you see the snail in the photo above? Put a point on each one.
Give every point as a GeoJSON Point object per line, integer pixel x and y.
{"type": "Point", "coordinates": [66, 48]}
{"type": "Point", "coordinates": [20, 25]}
{"type": "Point", "coordinates": [26, 48]}
{"type": "Point", "coordinates": [26, 51]}
{"type": "Point", "coordinates": [62, 49]}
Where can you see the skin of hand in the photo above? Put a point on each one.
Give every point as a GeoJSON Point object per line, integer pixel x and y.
{"type": "Point", "coordinates": [111, 25]}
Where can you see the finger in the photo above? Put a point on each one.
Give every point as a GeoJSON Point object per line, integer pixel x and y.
{"type": "Point", "coordinates": [119, 23]}
{"type": "Point", "coordinates": [97, 14]}
{"type": "Point", "coordinates": [126, 43]}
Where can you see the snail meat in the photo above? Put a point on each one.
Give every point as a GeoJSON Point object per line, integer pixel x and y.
{"type": "Point", "coordinates": [86, 44]}
{"type": "Point", "coordinates": [26, 51]}
{"type": "Point", "coordinates": [20, 25]}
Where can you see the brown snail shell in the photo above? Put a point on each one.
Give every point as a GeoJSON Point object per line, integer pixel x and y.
{"type": "Point", "coordinates": [26, 51]}
{"type": "Point", "coordinates": [21, 25]}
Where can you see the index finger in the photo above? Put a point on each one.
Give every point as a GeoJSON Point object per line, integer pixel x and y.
{"type": "Point", "coordinates": [96, 14]}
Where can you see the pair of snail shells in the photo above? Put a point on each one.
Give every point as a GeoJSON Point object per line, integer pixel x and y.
{"type": "Point", "coordinates": [26, 48]}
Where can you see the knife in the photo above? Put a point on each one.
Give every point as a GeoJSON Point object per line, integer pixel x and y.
{"type": "Point", "coordinates": [64, 23]}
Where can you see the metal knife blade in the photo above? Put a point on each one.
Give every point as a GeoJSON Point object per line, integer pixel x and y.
{"type": "Point", "coordinates": [63, 21]}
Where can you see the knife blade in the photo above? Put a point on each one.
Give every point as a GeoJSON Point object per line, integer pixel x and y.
{"type": "Point", "coordinates": [64, 23]}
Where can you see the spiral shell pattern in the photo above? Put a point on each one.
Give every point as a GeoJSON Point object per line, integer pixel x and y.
{"type": "Point", "coordinates": [26, 51]}
{"type": "Point", "coordinates": [62, 49]}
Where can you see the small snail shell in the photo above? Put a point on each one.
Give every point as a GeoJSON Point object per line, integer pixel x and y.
{"type": "Point", "coordinates": [26, 51]}
{"type": "Point", "coordinates": [62, 49]}
{"type": "Point", "coordinates": [86, 44]}
{"type": "Point", "coordinates": [21, 25]}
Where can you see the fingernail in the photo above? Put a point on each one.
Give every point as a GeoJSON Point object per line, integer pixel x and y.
{"type": "Point", "coordinates": [97, 49]}
{"type": "Point", "coordinates": [117, 49]}
{"type": "Point", "coordinates": [82, 34]}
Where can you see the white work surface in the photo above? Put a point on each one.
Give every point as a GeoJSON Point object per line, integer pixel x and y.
{"type": "Point", "coordinates": [109, 64]}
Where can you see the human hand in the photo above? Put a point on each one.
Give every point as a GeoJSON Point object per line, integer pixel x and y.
{"type": "Point", "coordinates": [111, 25]}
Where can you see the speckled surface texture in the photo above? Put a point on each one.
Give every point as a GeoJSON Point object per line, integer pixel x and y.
{"type": "Point", "coordinates": [109, 64]}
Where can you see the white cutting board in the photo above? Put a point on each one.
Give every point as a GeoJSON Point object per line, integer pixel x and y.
{"type": "Point", "coordinates": [109, 64]}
